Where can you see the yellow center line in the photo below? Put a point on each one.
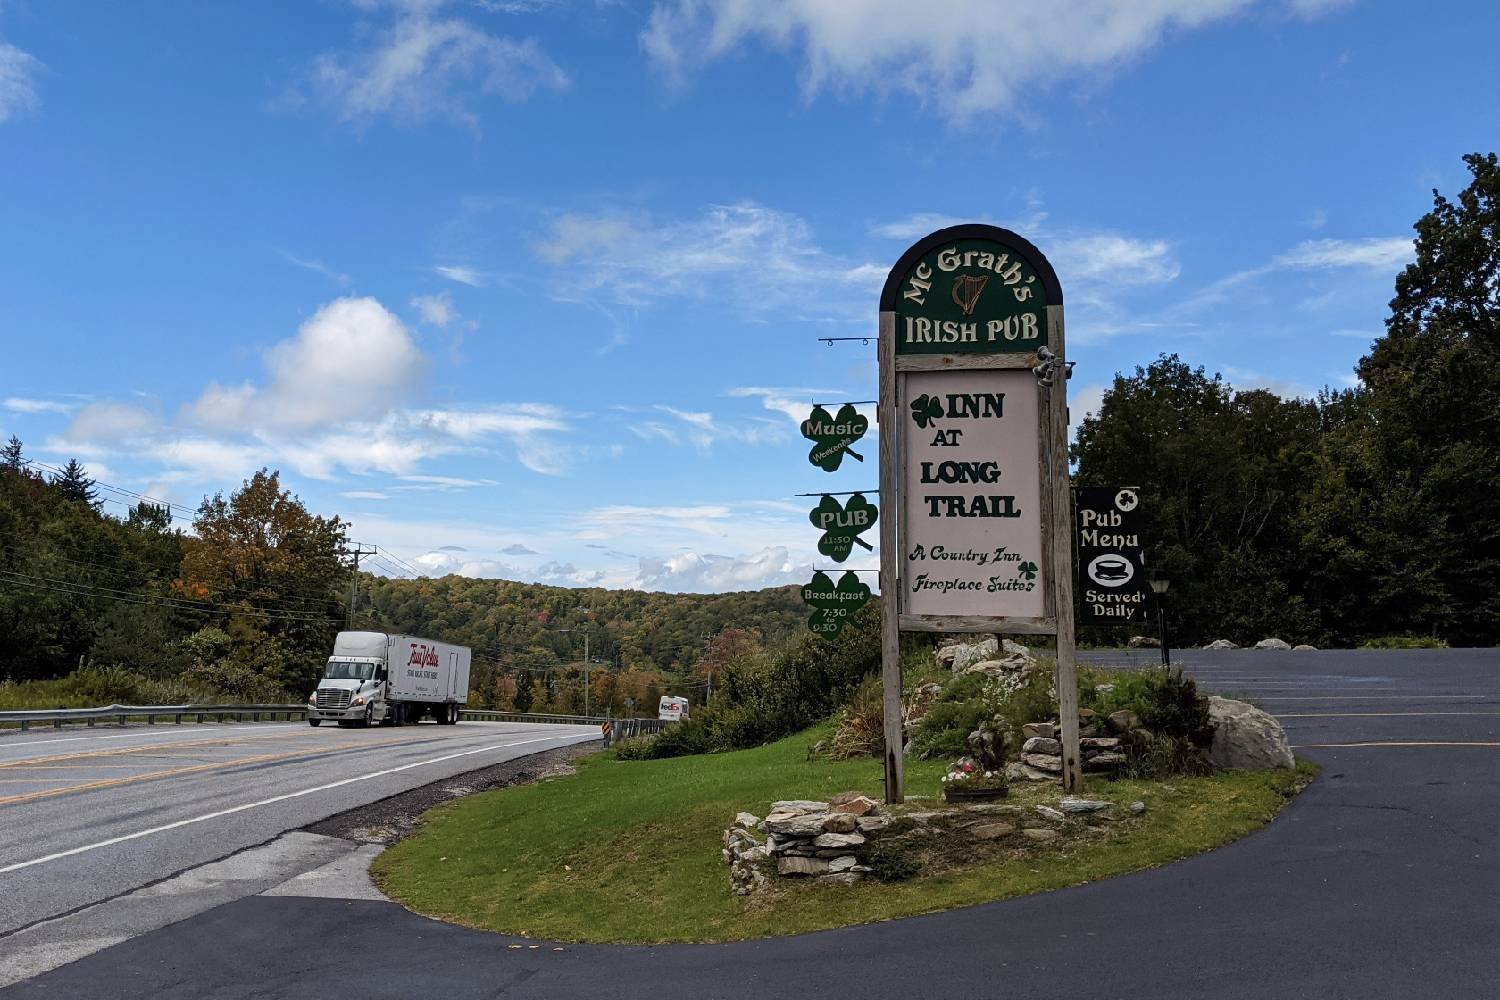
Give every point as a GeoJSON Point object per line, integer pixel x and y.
{"type": "Point", "coordinates": [144, 748]}
{"type": "Point", "coordinates": [1402, 743]}
{"type": "Point", "coordinates": [173, 772]}
{"type": "Point", "coordinates": [187, 744]}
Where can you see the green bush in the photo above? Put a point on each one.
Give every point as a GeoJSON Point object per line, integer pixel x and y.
{"type": "Point", "coordinates": [1404, 642]}
{"type": "Point", "coordinates": [634, 748]}
{"type": "Point", "coordinates": [889, 861]}
{"type": "Point", "coordinates": [682, 739]}
{"type": "Point", "coordinates": [970, 699]}
{"type": "Point", "coordinates": [1172, 711]}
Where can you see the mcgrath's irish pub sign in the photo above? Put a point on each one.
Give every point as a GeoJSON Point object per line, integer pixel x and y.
{"type": "Point", "coordinates": [973, 456]}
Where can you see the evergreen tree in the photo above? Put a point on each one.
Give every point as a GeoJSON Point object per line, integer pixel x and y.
{"type": "Point", "coordinates": [10, 455]}
{"type": "Point", "coordinates": [523, 691]}
{"type": "Point", "coordinates": [74, 484]}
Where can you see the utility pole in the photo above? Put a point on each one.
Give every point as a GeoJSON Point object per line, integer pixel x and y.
{"type": "Point", "coordinates": [359, 550]}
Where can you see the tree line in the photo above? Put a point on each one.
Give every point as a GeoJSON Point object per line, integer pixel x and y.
{"type": "Point", "coordinates": [1364, 512]}
{"type": "Point", "coordinates": [246, 605]}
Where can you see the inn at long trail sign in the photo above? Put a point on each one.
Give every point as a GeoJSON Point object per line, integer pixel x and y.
{"type": "Point", "coordinates": [973, 457]}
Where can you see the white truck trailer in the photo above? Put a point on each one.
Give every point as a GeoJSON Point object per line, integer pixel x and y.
{"type": "Point", "coordinates": [394, 680]}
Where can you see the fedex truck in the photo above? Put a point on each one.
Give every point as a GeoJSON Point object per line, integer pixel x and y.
{"type": "Point", "coordinates": [393, 680]}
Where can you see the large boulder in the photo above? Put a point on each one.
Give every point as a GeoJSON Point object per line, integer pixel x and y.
{"type": "Point", "coordinates": [1143, 642]}
{"type": "Point", "coordinates": [1246, 737]}
{"type": "Point", "coordinates": [1273, 643]}
{"type": "Point", "coordinates": [1304, 648]}
{"type": "Point", "coordinates": [1221, 644]}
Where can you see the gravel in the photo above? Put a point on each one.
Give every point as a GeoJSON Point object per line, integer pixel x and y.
{"type": "Point", "coordinates": [391, 819]}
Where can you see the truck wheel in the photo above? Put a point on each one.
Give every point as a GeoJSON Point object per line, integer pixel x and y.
{"type": "Point", "coordinates": [365, 722]}
{"type": "Point", "coordinates": [314, 722]}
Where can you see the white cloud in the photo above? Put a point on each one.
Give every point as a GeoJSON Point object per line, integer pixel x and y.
{"type": "Point", "coordinates": [1109, 258]}
{"type": "Point", "coordinates": [519, 550]}
{"type": "Point", "coordinates": [1364, 335]}
{"type": "Point", "coordinates": [443, 482]}
{"type": "Point", "coordinates": [629, 518]}
{"type": "Point", "coordinates": [19, 404]}
{"type": "Point", "coordinates": [1084, 402]}
{"type": "Point", "coordinates": [112, 423]}
{"type": "Point", "coordinates": [364, 495]}
{"type": "Point", "coordinates": [462, 275]}
{"type": "Point", "coordinates": [1315, 8]}
{"type": "Point", "coordinates": [1244, 379]}
{"type": "Point", "coordinates": [757, 257]}
{"type": "Point", "coordinates": [18, 89]}
{"type": "Point", "coordinates": [435, 310]}
{"type": "Point", "coordinates": [422, 65]}
{"type": "Point", "coordinates": [1382, 253]}
{"type": "Point", "coordinates": [690, 571]}
{"type": "Point", "coordinates": [793, 403]}
{"type": "Point", "coordinates": [353, 360]}
{"type": "Point", "coordinates": [316, 267]}
{"type": "Point", "coordinates": [971, 57]}
{"type": "Point", "coordinates": [703, 430]}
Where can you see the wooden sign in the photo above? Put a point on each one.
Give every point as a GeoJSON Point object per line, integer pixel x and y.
{"type": "Point", "coordinates": [973, 458]}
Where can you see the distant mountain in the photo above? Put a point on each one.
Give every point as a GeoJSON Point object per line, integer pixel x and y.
{"type": "Point", "coordinates": [525, 625]}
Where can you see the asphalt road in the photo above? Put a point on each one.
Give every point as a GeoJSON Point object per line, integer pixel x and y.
{"type": "Point", "coordinates": [1378, 882]}
{"type": "Point", "coordinates": [89, 814]}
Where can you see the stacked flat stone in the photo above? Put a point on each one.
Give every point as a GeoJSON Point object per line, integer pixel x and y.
{"type": "Point", "coordinates": [743, 853]}
{"type": "Point", "coordinates": [807, 839]}
{"type": "Point", "coordinates": [1041, 754]}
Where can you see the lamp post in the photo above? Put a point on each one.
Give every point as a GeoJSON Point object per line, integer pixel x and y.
{"type": "Point", "coordinates": [1159, 584]}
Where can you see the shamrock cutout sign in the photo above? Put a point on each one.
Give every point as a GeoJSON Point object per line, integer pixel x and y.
{"type": "Point", "coordinates": [1027, 570]}
{"type": "Point", "coordinates": [925, 409]}
{"type": "Point", "coordinates": [832, 436]}
{"type": "Point", "coordinates": [841, 525]}
{"type": "Point", "coordinates": [833, 605]}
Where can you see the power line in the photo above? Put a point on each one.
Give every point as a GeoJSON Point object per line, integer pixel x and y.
{"type": "Point", "coordinates": [154, 501]}
{"type": "Point", "coordinates": [128, 597]}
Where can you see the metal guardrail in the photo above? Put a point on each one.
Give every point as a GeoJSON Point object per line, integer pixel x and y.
{"type": "Point", "coordinates": [621, 727]}
{"type": "Point", "coordinates": [121, 713]}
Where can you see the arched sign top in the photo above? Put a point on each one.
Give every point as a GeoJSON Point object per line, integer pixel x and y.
{"type": "Point", "coordinates": [971, 289]}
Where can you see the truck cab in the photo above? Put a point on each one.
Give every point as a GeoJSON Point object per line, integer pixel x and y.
{"type": "Point", "coordinates": [352, 691]}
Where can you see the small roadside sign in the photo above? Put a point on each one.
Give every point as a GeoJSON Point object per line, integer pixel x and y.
{"type": "Point", "coordinates": [1112, 585]}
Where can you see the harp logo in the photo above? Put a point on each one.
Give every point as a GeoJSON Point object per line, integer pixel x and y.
{"type": "Point", "coordinates": [966, 291]}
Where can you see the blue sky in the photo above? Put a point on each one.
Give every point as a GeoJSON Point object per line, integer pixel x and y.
{"type": "Point", "coordinates": [532, 288]}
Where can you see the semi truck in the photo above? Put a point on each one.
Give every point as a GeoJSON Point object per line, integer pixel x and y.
{"type": "Point", "coordinates": [379, 678]}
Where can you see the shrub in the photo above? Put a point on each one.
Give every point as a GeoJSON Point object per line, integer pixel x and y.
{"type": "Point", "coordinates": [889, 861]}
{"type": "Point", "coordinates": [1171, 709]}
{"type": "Point", "coordinates": [1404, 642]}
{"type": "Point", "coordinates": [682, 739]}
{"type": "Point", "coordinates": [634, 748]}
{"type": "Point", "coordinates": [971, 699]}
{"type": "Point", "coordinates": [859, 727]}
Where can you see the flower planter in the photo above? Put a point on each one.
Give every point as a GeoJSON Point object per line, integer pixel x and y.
{"type": "Point", "coordinates": [951, 794]}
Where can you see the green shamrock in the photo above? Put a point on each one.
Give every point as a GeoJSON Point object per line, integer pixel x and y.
{"type": "Point", "coordinates": [841, 525]}
{"type": "Point", "coordinates": [925, 409]}
{"type": "Point", "coordinates": [832, 436]}
{"type": "Point", "coordinates": [832, 605]}
{"type": "Point", "coordinates": [1028, 570]}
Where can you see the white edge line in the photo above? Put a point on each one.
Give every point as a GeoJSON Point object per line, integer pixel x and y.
{"type": "Point", "coordinates": [263, 802]}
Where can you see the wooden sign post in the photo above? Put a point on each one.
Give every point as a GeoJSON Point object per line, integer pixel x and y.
{"type": "Point", "coordinates": [976, 527]}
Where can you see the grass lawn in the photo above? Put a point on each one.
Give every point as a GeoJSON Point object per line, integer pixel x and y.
{"type": "Point", "coordinates": [628, 851]}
